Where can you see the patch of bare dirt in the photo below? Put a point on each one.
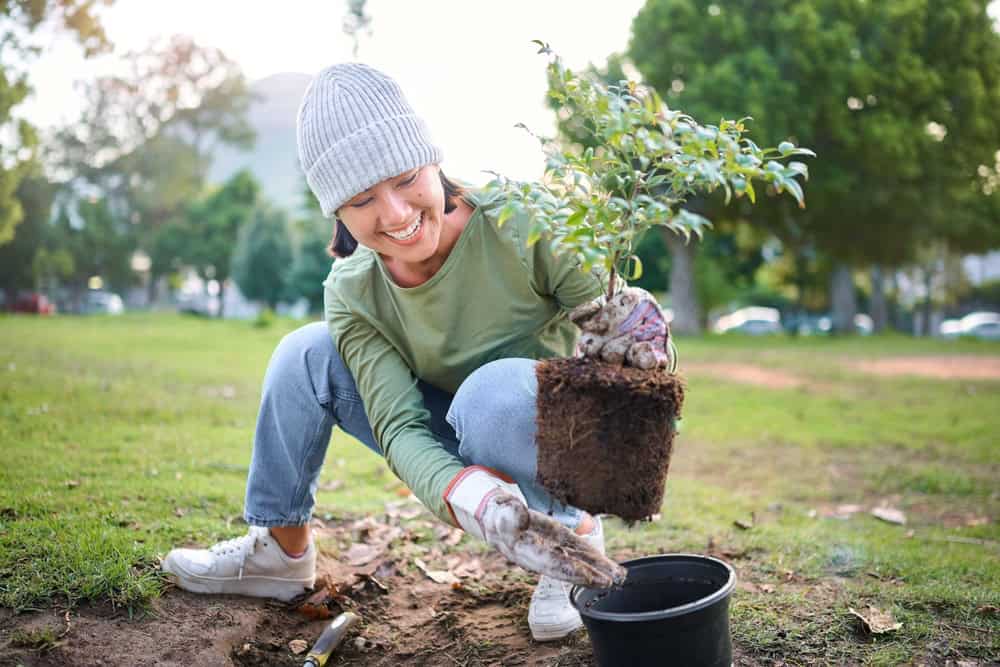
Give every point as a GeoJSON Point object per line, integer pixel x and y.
{"type": "Point", "coordinates": [752, 374]}
{"type": "Point", "coordinates": [944, 367]}
{"type": "Point", "coordinates": [460, 605]}
{"type": "Point", "coordinates": [477, 616]}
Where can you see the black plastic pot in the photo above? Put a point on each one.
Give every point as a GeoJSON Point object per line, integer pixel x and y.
{"type": "Point", "coordinates": [672, 610]}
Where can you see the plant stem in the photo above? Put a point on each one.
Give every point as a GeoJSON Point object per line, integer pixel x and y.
{"type": "Point", "coordinates": [611, 280]}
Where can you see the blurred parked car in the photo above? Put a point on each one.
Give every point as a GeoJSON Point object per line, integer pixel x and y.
{"type": "Point", "coordinates": [33, 302]}
{"type": "Point", "coordinates": [822, 325]}
{"type": "Point", "coordinates": [984, 325]}
{"type": "Point", "coordinates": [864, 324]}
{"type": "Point", "coordinates": [753, 321]}
{"type": "Point", "coordinates": [99, 302]}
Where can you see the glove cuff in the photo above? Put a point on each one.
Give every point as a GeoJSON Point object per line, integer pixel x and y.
{"type": "Point", "coordinates": [470, 491]}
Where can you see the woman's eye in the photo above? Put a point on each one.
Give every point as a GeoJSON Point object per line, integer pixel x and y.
{"type": "Point", "coordinates": [412, 178]}
{"type": "Point", "coordinates": [359, 204]}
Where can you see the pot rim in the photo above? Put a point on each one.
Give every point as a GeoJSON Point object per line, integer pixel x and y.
{"type": "Point", "coordinates": [723, 592]}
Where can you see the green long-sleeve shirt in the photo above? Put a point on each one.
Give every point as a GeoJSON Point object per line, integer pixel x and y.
{"type": "Point", "coordinates": [493, 298]}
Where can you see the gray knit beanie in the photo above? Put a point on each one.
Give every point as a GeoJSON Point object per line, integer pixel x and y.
{"type": "Point", "coordinates": [355, 129]}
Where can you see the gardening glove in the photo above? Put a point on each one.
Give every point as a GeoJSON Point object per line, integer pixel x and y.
{"type": "Point", "coordinates": [491, 507]}
{"type": "Point", "coordinates": [629, 328]}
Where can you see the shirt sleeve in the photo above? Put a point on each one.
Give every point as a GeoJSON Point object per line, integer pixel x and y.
{"type": "Point", "coordinates": [394, 406]}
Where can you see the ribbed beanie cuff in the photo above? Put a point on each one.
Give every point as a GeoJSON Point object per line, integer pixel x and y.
{"type": "Point", "coordinates": [356, 129]}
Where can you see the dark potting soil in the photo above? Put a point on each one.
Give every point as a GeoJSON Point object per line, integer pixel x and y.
{"type": "Point", "coordinates": [605, 434]}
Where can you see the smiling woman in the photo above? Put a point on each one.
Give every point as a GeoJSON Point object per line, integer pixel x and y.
{"type": "Point", "coordinates": [435, 317]}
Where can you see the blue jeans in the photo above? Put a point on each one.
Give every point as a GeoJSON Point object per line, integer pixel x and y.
{"type": "Point", "coordinates": [308, 390]}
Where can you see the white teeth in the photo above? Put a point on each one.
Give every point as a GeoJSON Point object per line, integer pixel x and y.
{"type": "Point", "coordinates": [409, 231]}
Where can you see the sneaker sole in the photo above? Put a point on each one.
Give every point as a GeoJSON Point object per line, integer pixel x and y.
{"type": "Point", "coordinates": [547, 633]}
{"type": "Point", "coordinates": [258, 587]}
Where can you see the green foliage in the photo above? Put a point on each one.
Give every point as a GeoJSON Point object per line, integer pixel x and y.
{"type": "Point", "coordinates": [146, 139]}
{"type": "Point", "coordinates": [99, 243]}
{"type": "Point", "coordinates": [20, 18]}
{"type": "Point", "coordinates": [205, 236]}
{"type": "Point", "coordinates": [312, 263]}
{"type": "Point", "coordinates": [899, 98]}
{"type": "Point", "coordinates": [35, 195]}
{"type": "Point", "coordinates": [262, 257]}
{"type": "Point", "coordinates": [644, 162]}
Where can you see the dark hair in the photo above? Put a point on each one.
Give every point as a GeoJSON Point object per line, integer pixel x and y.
{"type": "Point", "coordinates": [343, 244]}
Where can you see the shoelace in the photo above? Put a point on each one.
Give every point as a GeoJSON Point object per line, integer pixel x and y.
{"type": "Point", "coordinates": [243, 546]}
{"type": "Point", "coordinates": [549, 588]}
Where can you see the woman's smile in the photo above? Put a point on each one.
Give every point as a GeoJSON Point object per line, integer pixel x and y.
{"type": "Point", "coordinates": [410, 234]}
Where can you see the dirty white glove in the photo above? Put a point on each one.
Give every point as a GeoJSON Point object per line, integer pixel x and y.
{"type": "Point", "coordinates": [491, 507]}
{"type": "Point", "coordinates": [629, 328]}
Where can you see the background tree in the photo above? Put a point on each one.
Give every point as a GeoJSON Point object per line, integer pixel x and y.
{"type": "Point", "coordinates": [35, 194]}
{"type": "Point", "coordinates": [18, 20]}
{"type": "Point", "coordinates": [205, 236]}
{"type": "Point", "coordinates": [98, 241]}
{"type": "Point", "coordinates": [262, 257]}
{"type": "Point", "coordinates": [898, 99]}
{"type": "Point", "coordinates": [145, 139]}
{"type": "Point", "coordinates": [312, 263]}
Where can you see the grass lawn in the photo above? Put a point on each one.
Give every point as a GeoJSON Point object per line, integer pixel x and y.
{"type": "Point", "coordinates": [120, 437]}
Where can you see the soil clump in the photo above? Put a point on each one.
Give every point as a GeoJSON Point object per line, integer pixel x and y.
{"type": "Point", "coordinates": [605, 434]}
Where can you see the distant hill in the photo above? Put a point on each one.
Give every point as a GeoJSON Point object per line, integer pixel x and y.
{"type": "Point", "coordinates": [274, 158]}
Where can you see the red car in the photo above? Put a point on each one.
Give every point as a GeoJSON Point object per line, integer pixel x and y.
{"type": "Point", "coordinates": [33, 302]}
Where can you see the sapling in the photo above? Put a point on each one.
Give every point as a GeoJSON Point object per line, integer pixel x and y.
{"type": "Point", "coordinates": [643, 163]}
{"type": "Point", "coordinates": [605, 430]}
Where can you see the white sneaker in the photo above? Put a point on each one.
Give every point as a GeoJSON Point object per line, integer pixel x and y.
{"type": "Point", "coordinates": [551, 615]}
{"type": "Point", "coordinates": [253, 565]}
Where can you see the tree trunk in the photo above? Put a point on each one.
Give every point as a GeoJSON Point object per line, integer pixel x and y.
{"type": "Point", "coordinates": [879, 307]}
{"type": "Point", "coordinates": [843, 303]}
{"type": "Point", "coordinates": [927, 306]}
{"type": "Point", "coordinates": [683, 295]}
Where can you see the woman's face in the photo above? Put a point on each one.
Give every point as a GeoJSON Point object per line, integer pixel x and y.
{"type": "Point", "coordinates": [400, 217]}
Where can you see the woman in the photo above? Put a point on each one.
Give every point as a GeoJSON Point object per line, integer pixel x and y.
{"type": "Point", "coordinates": [434, 317]}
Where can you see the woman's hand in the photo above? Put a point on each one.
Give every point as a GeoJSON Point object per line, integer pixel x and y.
{"type": "Point", "coordinates": [629, 328]}
{"type": "Point", "coordinates": [494, 510]}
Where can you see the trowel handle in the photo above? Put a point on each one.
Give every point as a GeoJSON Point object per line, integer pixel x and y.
{"type": "Point", "coordinates": [330, 639]}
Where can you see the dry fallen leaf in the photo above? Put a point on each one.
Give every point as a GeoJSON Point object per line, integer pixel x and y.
{"type": "Point", "coordinates": [876, 621]}
{"type": "Point", "coordinates": [988, 610]}
{"type": "Point", "coordinates": [316, 606]}
{"type": "Point", "coordinates": [438, 576]}
{"type": "Point", "coordinates": [361, 554]}
{"type": "Point", "coordinates": [890, 514]}
{"type": "Point", "coordinates": [743, 524]}
{"type": "Point", "coordinates": [298, 646]}
{"type": "Point", "coordinates": [72, 483]}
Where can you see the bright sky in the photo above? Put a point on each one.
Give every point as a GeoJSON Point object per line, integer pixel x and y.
{"type": "Point", "coordinates": [466, 65]}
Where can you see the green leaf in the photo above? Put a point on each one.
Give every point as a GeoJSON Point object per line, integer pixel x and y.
{"type": "Point", "coordinates": [505, 213]}
{"type": "Point", "coordinates": [576, 218]}
{"type": "Point", "coordinates": [535, 235]}
{"type": "Point", "coordinates": [795, 189]}
{"type": "Point", "coordinates": [799, 168]}
{"type": "Point", "coordinates": [636, 272]}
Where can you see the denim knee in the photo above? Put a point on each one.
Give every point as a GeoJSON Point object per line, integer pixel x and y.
{"type": "Point", "coordinates": [496, 400]}
{"type": "Point", "coordinates": [302, 359]}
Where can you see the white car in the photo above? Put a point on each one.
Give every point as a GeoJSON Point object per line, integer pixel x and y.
{"type": "Point", "coordinates": [753, 320]}
{"type": "Point", "coordinates": [99, 302]}
{"type": "Point", "coordinates": [984, 325]}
